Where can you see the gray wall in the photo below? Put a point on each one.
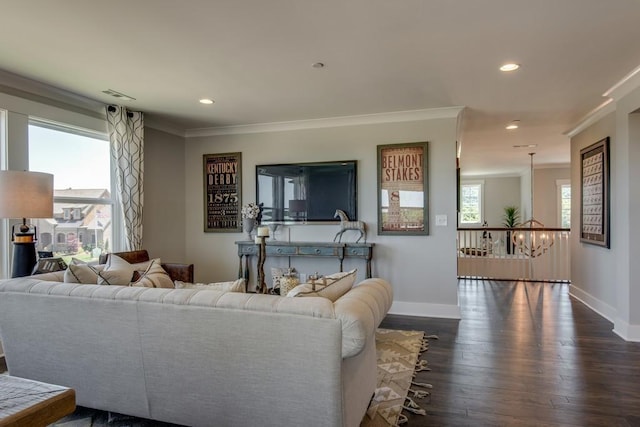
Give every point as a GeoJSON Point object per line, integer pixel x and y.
{"type": "Point", "coordinates": [498, 193]}
{"type": "Point", "coordinates": [516, 191]}
{"type": "Point", "coordinates": [545, 194]}
{"type": "Point", "coordinates": [606, 279]}
{"type": "Point", "coordinates": [422, 269]}
{"type": "Point", "coordinates": [592, 267]}
{"type": "Point", "coordinates": [164, 196]}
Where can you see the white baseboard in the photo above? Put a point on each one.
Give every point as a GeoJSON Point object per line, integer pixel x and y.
{"type": "Point", "coordinates": [621, 328]}
{"type": "Point", "coordinates": [600, 307]}
{"type": "Point", "coordinates": [425, 309]}
{"type": "Point", "coordinates": [626, 331]}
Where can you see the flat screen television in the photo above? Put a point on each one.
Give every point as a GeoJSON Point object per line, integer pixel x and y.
{"type": "Point", "coordinates": [307, 192]}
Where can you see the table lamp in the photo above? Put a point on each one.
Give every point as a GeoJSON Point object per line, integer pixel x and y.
{"type": "Point", "coordinates": [25, 195]}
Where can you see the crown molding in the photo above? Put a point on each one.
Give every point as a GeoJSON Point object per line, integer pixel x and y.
{"type": "Point", "coordinates": [163, 126]}
{"type": "Point", "coordinates": [365, 119]}
{"type": "Point", "coordinates": [592, 116]}
{"type": "Point", "coordinates": [22, 87]}
{"type": "Point", "coordinates": [625, 86]}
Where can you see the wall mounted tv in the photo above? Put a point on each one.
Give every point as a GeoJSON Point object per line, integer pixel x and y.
{"type": "Point", "coordinates": [307, 192]}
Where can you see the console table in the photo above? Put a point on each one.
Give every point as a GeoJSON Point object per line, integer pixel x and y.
{"type": "Point", "coordinates": [247, 249]}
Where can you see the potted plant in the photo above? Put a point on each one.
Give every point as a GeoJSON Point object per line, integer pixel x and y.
{"type": "Point", "coordinates": [510, 219]}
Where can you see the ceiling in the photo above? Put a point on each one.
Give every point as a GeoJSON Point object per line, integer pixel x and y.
{"type": "Point", "coordinates": [254, 58]}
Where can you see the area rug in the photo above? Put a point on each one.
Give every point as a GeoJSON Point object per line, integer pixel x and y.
{"type": "Point", "coordinates": [398, 354]}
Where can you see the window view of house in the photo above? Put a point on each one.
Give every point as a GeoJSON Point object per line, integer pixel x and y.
{"type": "Point", "coordinates": [471, 203]}
{"type": "Point", "coordinates": [82, 225]}
{"type": "Point", "coordinates": [565, 206]}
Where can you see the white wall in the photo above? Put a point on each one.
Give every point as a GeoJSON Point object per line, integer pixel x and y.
{"type": "Point", "coordinates": [422, 269]}
{"type": "Point", "coordinates": [164, 196]}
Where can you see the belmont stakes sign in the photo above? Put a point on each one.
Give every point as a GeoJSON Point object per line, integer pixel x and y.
{"type": "Point", "coordinates": [402, 189]}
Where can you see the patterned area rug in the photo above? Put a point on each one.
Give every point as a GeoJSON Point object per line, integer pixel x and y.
{"type": "Point", "coordinates": [398, 354]}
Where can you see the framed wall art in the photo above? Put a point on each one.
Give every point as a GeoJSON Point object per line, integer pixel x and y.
{"type": "Point", "coordinates": [594, 194]}
{"type": "Point", "coordinates": [222, 191]}
{"type": "Point", "coordinates": [402, 189]}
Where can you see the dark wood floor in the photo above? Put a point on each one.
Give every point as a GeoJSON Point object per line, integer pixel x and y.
{"type": "Point", "coordinates": [526, 354]}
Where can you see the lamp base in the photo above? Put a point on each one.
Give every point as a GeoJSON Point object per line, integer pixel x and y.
{"type": "Point", "coordinates": [24, 258]}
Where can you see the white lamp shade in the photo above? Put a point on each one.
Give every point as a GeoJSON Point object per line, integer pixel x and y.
{"type": "Point", "coordinates": [26, 194]}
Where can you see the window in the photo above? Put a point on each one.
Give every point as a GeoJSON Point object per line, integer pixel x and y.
{"type": "Point", "coordinates": [81, 166]}
{"type": "Point", "coordinates": [564, 202]}
{"type": "Point", "coordinates": [471, 194]}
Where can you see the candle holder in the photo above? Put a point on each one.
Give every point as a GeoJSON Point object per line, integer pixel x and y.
{"type": "Point", "coordinates": [260, 240]}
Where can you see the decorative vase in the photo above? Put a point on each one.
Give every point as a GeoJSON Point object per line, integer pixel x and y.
{"type": "Point", "coordinates": [248, 225]}
{"type": "Point", "coordinates": [288, 281]}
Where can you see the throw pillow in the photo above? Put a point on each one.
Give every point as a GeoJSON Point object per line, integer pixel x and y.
{"type": "Point", "coordinates": [154, 276]}
{"type": "Point", "coordinates": [276, 275]}
{"type": "Point", "coordinates": [116, 272]}
{"type": "Point", "coordinates": [82, 273]}
{"type": "Point", "coordinates": [331, 287]}
{"type": "Point", "coordinates": [232, 286]}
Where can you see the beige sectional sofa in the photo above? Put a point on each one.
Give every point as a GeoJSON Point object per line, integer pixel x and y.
{"type": "Point", "coordinates": [198, 357]}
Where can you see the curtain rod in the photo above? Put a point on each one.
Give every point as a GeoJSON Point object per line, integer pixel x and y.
{"type": "Point", "coordinates": [113, 109]}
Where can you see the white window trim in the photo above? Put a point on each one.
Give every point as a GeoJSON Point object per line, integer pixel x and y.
{"type": "Point", "coordinates": [4, 223]}
{"type": "Point", "coordinates": [479, 182]}
{"type": "Point", "coordinates": [559, 184]}
{"type": "Point", "coordinates": [14, 112]}
{"type": "Point", "coordinates": [116, 211]}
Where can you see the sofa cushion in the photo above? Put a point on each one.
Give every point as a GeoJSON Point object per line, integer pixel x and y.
{"type": "Point", "coordinates": [56, 276]}
{"type": "Point", "coordinates": [331, 287]}
{"type": "Point", "coordinates": [116, 272]}
{"type": "Point", "coordinates": [232, 286]}
{"type": "Point", "coordinates": [154, 276]}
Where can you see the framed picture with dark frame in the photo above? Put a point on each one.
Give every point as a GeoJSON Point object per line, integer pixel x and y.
{"type": "Point", "coordinates": [403, 189]}
{"type": "Point", "coordinates": [594, 194]}
{"type": "Point", "coordinates": [222, 192]}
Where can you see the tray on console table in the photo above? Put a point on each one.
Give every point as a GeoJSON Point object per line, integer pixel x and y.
{"type": "Point", "coordinates": [247, 249]}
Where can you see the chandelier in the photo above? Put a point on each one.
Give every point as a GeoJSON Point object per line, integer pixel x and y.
{"type": "Point", "coordinates": [534, 241]}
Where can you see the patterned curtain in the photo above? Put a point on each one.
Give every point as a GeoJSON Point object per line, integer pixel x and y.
{"type": "Point", "coordinates": [126, 134]}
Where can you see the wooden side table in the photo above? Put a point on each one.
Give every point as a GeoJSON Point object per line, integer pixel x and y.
{"type": "Point", "coordinates": [26, 402]}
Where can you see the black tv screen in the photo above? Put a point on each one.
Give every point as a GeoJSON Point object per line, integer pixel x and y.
{"type": "Point", "coordinates": [307, 192]}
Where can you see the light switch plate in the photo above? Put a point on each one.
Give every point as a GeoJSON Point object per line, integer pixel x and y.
{"type": "Point", "coordinates": [441, 220]}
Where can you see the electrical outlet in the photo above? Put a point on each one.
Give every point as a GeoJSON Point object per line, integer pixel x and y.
{"type": "Point", "coordinates": [441, 220]}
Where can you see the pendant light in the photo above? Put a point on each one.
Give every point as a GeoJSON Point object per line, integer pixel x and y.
{"type": "Point", "coordinates": [535, 241]}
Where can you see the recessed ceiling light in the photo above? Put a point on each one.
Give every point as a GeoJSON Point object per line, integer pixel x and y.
{"type": "Point", "coordinates": [526, 146]}
{"type": "Point", "coordinates": [510, 67]}
{"type": "Point", "coordinates": [318, 65]}
{"type": "Point", "coordinates": [206, 101]}
{"type": "Point", "coordinates": [513, 125]}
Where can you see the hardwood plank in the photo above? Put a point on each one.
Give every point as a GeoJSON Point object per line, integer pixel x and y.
{"type": "Point", "coordinates": [525, 354]}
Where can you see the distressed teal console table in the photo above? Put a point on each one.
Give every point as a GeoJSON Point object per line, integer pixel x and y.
{"type": "Point", "coordinates": [247, 249]}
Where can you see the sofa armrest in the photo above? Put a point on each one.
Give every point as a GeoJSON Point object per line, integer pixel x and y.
{"type": "Point", "coordinates": [361, 310]}
{"type": "Point", "coordinates": [182, 272]}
